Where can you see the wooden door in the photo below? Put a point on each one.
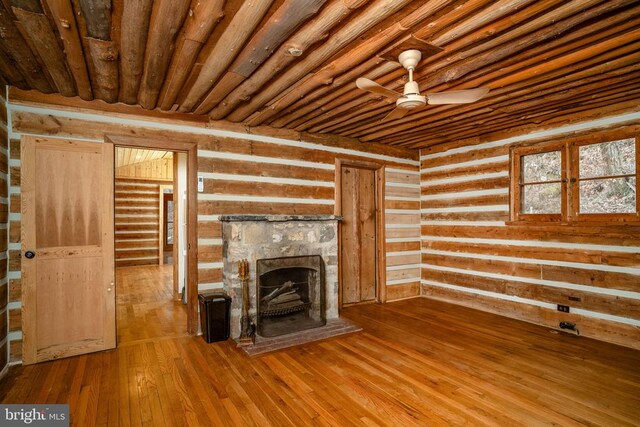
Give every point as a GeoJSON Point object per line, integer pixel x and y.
{"type": "Point", "coordinates": [68, 297]}
{"type": "Point", "coordinates": [358, 235]}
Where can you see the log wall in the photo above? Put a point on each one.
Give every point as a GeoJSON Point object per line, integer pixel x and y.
{"type": "Point", "coordinates": [4, 218]}
{"type": "Point", "coordinates": [244, 173]}
{"type": "Point", "coordinates": [471, 256]}
{"type": "Point", "coordinates": [137, 221]}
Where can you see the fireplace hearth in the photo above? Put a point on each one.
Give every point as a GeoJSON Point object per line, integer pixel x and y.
{"type": "Point", "coordinates": [291, 295]}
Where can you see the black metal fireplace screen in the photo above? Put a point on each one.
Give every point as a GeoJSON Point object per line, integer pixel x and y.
{"type": "Point", "coordinates": [290, 294]}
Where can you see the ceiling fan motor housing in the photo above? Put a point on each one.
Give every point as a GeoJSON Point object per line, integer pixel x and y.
{"type": "Point", "coordinates": [411, 101]}
{"type": "Point", "coordinates": [411, 98]}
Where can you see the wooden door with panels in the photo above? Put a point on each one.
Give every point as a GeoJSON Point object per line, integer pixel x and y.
{"type": "Point", "coordinates": [358, 234]}
{"type": "Point", "coordinates": [68, 297]}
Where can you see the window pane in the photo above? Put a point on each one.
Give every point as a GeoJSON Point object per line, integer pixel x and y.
{"type": "Point", "coordinates": [614, 195]}
{"type": "Point", "coordinates": [541, 167]}
{"type": "Point", "coordinates": [542, 198]}
{"type": "Point", "coordinates": [608, 159]}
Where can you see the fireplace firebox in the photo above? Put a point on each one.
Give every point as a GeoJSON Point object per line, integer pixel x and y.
{"type": "Point", "coordinates": [290, 294]}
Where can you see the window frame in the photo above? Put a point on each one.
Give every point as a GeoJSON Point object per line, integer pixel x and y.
{"type": "Point", "coordinates": [570, 196]}
{"type": "Point", "coordinates": [575, 184]}
{"type": "Point", "coordinates": [517, 184]}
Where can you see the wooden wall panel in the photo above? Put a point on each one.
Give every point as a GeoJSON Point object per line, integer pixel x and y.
{"type": "Point", "coordinates": [471, 256]}
{"type": "Point", "coordinates": [279, 173]}
{"type": "Point", "coordinates": [5, 178]}
{"type": "Point", "coordinates": [137, 216]}
{"type": "Point", "coordinates": [150, 169]}
{"type": "Point", "coordinates": [402, 233]}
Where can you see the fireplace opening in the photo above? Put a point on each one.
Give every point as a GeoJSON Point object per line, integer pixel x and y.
{"type": "Point", "coordinates": [290, 295]}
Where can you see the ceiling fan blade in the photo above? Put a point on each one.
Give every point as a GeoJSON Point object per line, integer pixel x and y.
{"type": "Point", "coordinates": [457, 96]}
{"type": "Point", "coordinates": [396, 113]}
{"type": "Point", "coordinates": [373, 87]}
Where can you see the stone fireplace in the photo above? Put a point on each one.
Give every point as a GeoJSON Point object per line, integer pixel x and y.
{"type": "Point", "coordinates": [290, 295]}
{"type": "Point", "coordinates": [293, 271]}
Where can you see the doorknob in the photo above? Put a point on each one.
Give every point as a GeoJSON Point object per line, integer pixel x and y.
{"type": "Point", "coordinates": [29, 254]}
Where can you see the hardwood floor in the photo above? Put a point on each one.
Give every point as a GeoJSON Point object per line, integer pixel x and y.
{"type": "Point", "coordinates": [418, 362]}
{"type": "Point", "coordinates": [145, 305]}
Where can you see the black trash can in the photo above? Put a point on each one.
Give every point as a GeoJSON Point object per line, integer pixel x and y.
{"type": "Point", "coordinates": [214, 316]}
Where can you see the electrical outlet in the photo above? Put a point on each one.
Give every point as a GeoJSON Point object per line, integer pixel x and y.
{"type": "Point", "coordinates": [563, 308]}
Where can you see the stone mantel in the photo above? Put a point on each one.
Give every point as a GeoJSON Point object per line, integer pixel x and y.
{"type": "Point", "coordinates": [278, 218]}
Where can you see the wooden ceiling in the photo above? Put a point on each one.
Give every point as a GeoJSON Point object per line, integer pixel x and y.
{"type": "Point", "coordinates": [125, 156]}
{"type": "Point", "coordinates": [293, 63]}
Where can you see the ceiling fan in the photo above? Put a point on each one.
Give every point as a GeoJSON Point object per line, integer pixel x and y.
{"type": "Point", "coordinates": [410, 98]}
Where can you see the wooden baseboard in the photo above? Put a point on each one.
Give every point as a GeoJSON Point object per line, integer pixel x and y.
{"type": "Point", "coordinates": [589, 327]}
{"type": "Point", "coordinates": [403, 291]}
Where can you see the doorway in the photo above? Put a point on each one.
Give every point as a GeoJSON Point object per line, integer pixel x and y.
{"type": "Point", "coordinates": [165, 288]}
{"type": "Point", "coordinates": [148, 302]}
{"type": "Point", "coordinates": [360, 202]}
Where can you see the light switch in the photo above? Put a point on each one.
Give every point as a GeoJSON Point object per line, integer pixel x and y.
{"type": "Point", "coordinates": [200, 184]}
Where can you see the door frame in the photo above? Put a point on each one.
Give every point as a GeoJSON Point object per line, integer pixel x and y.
{"type": "Point", "coordinates": [191, 149]}
{"type": "Point", "coordinates": [381, 262]}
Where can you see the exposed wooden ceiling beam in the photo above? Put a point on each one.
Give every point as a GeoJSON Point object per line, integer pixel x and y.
{"type": "Point", "coordinates": [293, 63]}
{"type": "Point", "coordinates": [166, 19]}
{"type": "Point", "coordinates": [133, 33]}
{"type": "Point", "coordinates": [202, 19]}
{"type": "Point", "coordinates": [291, 51]}
{"type": "Point", "coordinates": [290, 15]}
{"type": "Point", "coordinates": [227, 48]}
{"type": "Point", "coordinates": [62, 14]}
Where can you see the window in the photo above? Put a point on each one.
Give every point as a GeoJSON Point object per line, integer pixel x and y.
{"type": "Point", "coordinates": [584, 179]}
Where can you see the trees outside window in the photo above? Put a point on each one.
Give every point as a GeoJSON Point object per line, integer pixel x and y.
{"type": "Point", "coordinates": [591, 178]}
